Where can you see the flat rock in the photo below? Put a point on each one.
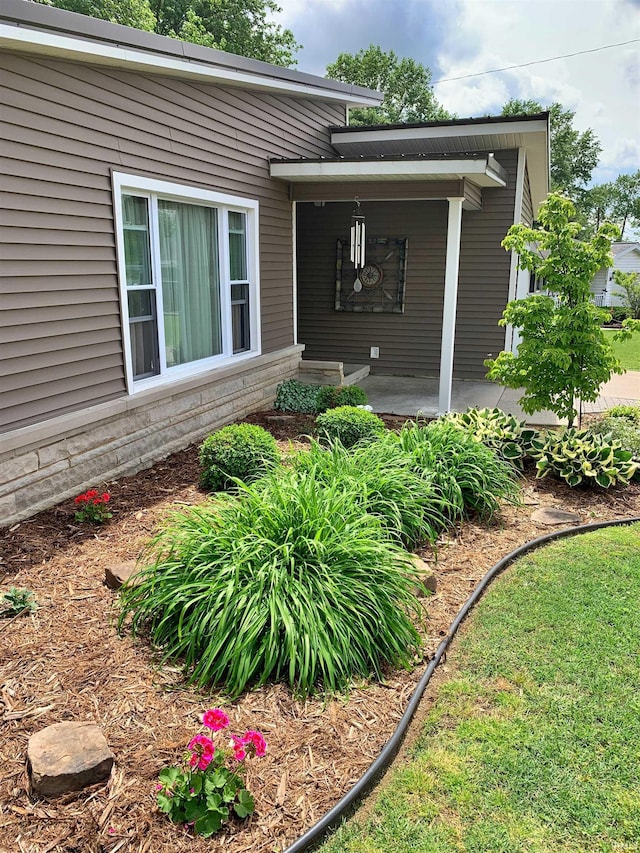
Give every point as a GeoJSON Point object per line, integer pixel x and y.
{"type": "Point", "coordinates": [67, 757]}
{"type": "Point", "coordinates": [550, 515]}
{"type": "Point", "coordinates": [427, 577]}
{"type": "Point", "coordinates": [116, 576]}
{"type": "Point", "coordinates": [280, 419]}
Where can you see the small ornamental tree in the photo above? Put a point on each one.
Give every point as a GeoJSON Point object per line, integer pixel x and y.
{"type": "Point", "coordinates": [563, 355]}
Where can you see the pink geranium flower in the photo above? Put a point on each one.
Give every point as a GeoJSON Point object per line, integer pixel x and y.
{"type": "Point", "coordinates": [215, 719]}
{"type": "Point", "coordinates": [239, 748]}
{"type": "Point", "coordinates": [257, 740]}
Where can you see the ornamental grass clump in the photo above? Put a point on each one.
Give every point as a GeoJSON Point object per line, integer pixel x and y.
{"type": "Point", "coordinates": [236, 452]}
{"type": "Point", "coordinates": [467, 476]}
{"type": "Point", "coordinates": [349, 425]}
{"type": "Point", "coordinates": [289, 581]}
{"type": "Point", "coordinates": [380, 476]}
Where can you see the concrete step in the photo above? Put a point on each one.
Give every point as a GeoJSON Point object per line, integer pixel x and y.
{"type": "Point", "coordinates": [354, 373]}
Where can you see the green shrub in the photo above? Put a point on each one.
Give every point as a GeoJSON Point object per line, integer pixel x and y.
{"type": "Point", "coordinates": [380, 476]}
{"type": "Point", "coordinates": [467, 476]}
{"type": "Point", "coordinates": [332, 396]}
{"type": "Point", "coordinates": [238, 451]}
{"type": "Point", "coordinates": [631, 413]}
{"type": "Point", "coordinates": [578, 456]}
{"type": "Point", "coordinates": [294, 396]}
{"type": "Point", "coordinates": [349, 425]}
{"type": "Point", "coordinates": [510, 438]}
{"type": "Point", "coordinates": [618, 313]}
{"type": "Point", "coordinates": [622, 430]}
{"type": "Point", "coordinates": [288, 581]}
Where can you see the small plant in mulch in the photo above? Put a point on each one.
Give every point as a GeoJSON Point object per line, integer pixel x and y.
{"type": "Point", "coordinates": [16, 602]}
{"type": "Point", "coordinates": [92, 506]}
{"type": "Point", "coordinates": [209, 786]}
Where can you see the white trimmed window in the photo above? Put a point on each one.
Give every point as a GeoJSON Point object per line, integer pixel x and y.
{"type": "Point", "coordinates": [188, 278]}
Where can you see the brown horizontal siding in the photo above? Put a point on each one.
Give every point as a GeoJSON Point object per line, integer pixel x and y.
{"type": "Point", "coordinates": [410, 342]}
{"type": "Point", "coordinates": [484, 276]}
{"type": "Point", "coordinates": [64, 127]}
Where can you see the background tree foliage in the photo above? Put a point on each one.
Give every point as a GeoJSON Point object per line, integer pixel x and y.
{"type": "Point", "coordinates": [130, 13]}
{"type": "Point", "coordinates": [563, 355]}
{"type": "Point", "coordinates": [237, 26]}
{"type": "Point", "coordinates": [617, 202]}
{"type": "Point", "coordinates": [574, 154]}
{"type": "Point", "coordinates": [408, 93]}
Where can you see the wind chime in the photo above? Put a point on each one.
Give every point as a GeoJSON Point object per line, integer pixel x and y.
{"type": "Point", "coordinates": [358, 242]}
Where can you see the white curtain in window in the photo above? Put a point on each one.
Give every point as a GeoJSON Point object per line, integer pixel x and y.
{"type": "Point", "coordinates": [190, 281]}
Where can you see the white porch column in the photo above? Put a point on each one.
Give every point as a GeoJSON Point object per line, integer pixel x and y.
{"type": "Point", "coordinates": [454, 230]}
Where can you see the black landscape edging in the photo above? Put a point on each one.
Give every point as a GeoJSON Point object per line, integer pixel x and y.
{"type": "Point", "coordinates": [333, 817]}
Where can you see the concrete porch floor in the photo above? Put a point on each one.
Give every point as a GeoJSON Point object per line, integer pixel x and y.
{"type": "Point", "coordinates": [412, 396]}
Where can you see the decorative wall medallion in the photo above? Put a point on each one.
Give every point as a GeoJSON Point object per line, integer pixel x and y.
{"type": "Point", "coordinates": [380, 287]}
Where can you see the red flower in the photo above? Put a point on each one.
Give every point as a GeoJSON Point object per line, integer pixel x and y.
{"type": "Point", "coordinates": [106, 497]}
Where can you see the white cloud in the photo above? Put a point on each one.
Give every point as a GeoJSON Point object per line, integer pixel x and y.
{"type": "Point", "coordinates": [468, 36]}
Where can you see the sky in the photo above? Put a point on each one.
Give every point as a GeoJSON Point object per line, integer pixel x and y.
{"type": "Point", "coordinates": [459, 37]}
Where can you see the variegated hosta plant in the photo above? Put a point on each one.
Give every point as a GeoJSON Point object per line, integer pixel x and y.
{"type": "Point", "coordinates": [577, 456]}
{"type": "Point", "coordinates": [510, 438]}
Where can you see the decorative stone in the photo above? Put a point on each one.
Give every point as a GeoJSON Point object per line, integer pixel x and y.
{"type": "Point", "coordinates": [116, 576]}
{"type": "Point", "coordinates": [67, 757]}
{"type": "Point", "coordinates": [550, 515]}
{"type": "Point", "coordinates": [427, 577]}
{"type": "Point", "coordinates": [280, 419]}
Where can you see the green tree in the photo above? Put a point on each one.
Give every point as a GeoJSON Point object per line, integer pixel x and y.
{"type": "Point", "coordinates": [563, 355]}
{"type": "Point", "coordinates": [131, 13]}
{"type": "Point", "coordinates": [574, 154]}
{"type": "Point", "coordinates": [408, 93]}
{"type": "Point", "coordinates": [617, 202]}
{"type": "Point", "coordinates": [237, 26]}
{"type": "Point", "coordinates": [629, 285]}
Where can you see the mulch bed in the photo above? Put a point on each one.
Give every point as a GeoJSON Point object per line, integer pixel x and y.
{"type": "Point", "coordinates": [67, 662]}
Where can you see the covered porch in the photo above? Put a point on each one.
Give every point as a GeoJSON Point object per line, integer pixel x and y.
{"type": "Point", "coordinates": [437, 200]}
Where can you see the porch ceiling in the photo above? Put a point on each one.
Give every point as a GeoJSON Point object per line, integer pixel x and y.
{"type": "Point", "coordinates": [481, 169]}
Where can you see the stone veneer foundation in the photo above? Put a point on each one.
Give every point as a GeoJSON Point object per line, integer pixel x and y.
{"type": "Point", "coordinates": [49, 462]}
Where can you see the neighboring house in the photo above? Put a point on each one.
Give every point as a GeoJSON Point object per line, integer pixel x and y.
{"type": "Point", "coordinates": [626, 258]}
{"type": "Point", "coordinates": [175, 222]}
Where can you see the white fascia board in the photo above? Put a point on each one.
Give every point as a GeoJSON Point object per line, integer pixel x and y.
{"type": "Point", "coordinates": [439, 132]}
{"type": "Point", "coordinates": [332, 170]}
{"type": "Point", "coordinates": [64, 47]}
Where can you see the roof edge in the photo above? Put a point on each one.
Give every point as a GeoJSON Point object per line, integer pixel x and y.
{"type": "Point", "coordinates": [454, 122]}
{"type": "Point", "coordinates": [40, 19]}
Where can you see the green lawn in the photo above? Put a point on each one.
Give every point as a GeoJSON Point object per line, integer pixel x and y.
{"type": "Point", "coordinates": [627, 351]}
{"type": "Point", "coordinates": [533, 746]}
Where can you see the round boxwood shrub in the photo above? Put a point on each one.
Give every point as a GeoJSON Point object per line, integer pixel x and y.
{"type": "Point", "coordinates": [241, 451]}
{"type": "Point", "coordinates": [349, 425]}
{"type": "Point", "coordinates": [332, 396]}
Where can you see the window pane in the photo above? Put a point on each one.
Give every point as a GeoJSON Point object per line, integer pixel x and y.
{"type": "Point", "coordinates": [141, 304]}
{"type": "Point", "coordinates": [190, 281]}
{"type": "Point", "coordinates": [144, 348]}
{"type": "Point", "coordinates": [137, 256]}
{"type": "Point", "coordinates": [237, 246]}
{"type": "Point", "coordinates": [240, 317]}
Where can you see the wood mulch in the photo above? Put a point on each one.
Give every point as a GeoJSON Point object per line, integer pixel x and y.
{"type": "Point", "coordinates": [67, 662]}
